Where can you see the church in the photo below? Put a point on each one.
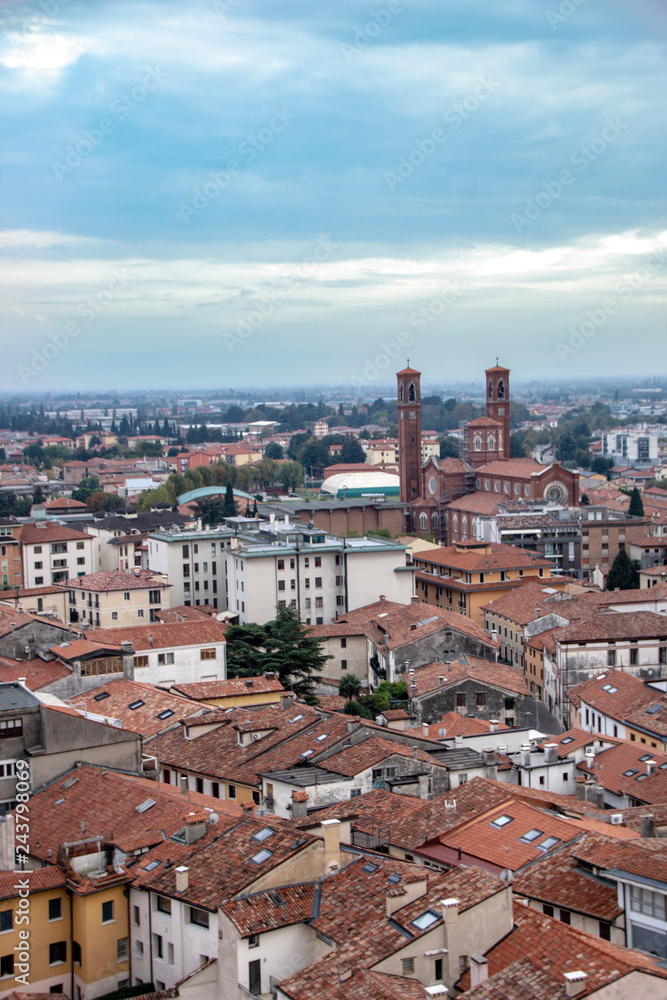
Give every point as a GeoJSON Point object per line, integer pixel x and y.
{"type": "Point", "coordinates": [446, 496]}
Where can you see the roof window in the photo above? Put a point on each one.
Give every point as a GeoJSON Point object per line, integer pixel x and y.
{"type": "Point", "coordinates": [136, 704]}
{"type": "Point", "coordinates": [425, 920]}
{"type": "Point", "coordinates": [261, 856]}
{"type": "Point", "coordinates": [501, 821]}
{"type": "Point", "coordinates": [264, 834]}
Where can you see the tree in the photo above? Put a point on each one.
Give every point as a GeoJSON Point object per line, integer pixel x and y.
{"type": "Point", "coordinates": [624, 573]}
{"type": "Point", "coordinates": [229, 507]}
{"type": "Point", "coordinates": [290, 475]}
{"type": "Point", "coordinates": [585, 500]}
{"type": "Point", "coordinates": [349, 687]}
{"type": "Point", "coordinates": [636, 507]}
{"type": "Point", "coordinates": [352, 452]}
{"type": "Point", "coordinates": [211, 509]}
{"type": "Point", "coordinates": [354, 708]}
{"type": "Point", "coordinates": [283, 645]}
{"type": "Point", "coordinates": [449, 447]}
{"type": "Point", "coordinates": [88, 485]}
{"type": "Point", "coordinates": [274, 450]}
{"type": "Point", "coordinates": [38, 495]}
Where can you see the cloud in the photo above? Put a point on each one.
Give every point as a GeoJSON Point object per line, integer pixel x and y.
{"type": "Point", "coordinates": [20, 239]}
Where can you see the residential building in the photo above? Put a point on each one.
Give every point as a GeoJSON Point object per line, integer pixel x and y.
{"type": "Point", "coordinates": [469, 686]}
{"type": "Point", "coordinates": [107, 599]}
{"type": "Point", "coordinates": [344, 516]}
{"type": "Point", "coordinates": [194, 562]}
{"type": "Point", "coordinates": [466, 576]}
{"type": "Point", "coordinates": [11, 562]}
{"type": "Point", "coordinates": [603, 534]}
{"type": "Point", "coordinates": [132, 706]}
{"type": "Point", "coordinates": [634, 447]}
{"type": "Point", "coordinates": [54, 553]}
{"type": "Point", "coordinates": [49, 602]}
{"type": "Point", "coordinates": [236, 692]}
{"type": "Point", "coordinates": [619, 704]}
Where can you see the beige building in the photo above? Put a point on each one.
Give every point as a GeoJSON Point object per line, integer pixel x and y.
{"type": "Point", "coordinates": [54, 553]}
{"type": "Point", "coordinates": [109, 599]}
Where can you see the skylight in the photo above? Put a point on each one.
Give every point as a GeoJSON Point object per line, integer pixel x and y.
{"type": "Point", "coordinates": [165, 714]}
{"type": "Point", "coordinates": [653, 709]}
{"type": "Point", "coordinates": [610, 688]}
{"type": "Point", "coordinates": [264, 834]}
{"type": "Point", "coordinates": [568, 739]}
{"type": "Point", "coordinates": [501, 821]}
{"type": "Point", "coordinates": [58, 802]}
{"type": "Point", "coordinates": [532, 835]}
{"type": "Point", "coordinates": [369, 868]}
{"type": "Point", "coordinates": [645, 756]}
{"type": "Point", "coordinates": [262, 855]}
{"type": "Point", "coordinates": [295, 719]}
{"type": "Point", "coordinates": [425, 920]}
{"type": "Point", "coordinates": [628, 774]}
{"type": "Point", "coordinates": [136, 704]}
{"type": "Point", "coordinates": [322, 737]}
{"type": "Point", "coordinates": [151, 866]}
{"type": "Point", "coordinates": [145, 805]}
{"type": "Point", "coordinates": [547, 844]}
{"type": "Point", "coordinates": [394, 878]}
{"type": "Point", "coordinates": [306, 753]}
{"type": "Point", "coordinates": [101, 696]}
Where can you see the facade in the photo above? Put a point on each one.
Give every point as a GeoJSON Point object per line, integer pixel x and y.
{"type": "Point", "coordinates": [11, 562]}
{"type": "Point", "coordinates": [468, 686]}
{"type": "Point", "coordinates": [409, 433]}
{"type": "Point", "coordinates": [108, 599]}
{"type": "Point", "coordinates": [194, 563]}
{"type": "Point", "coordinates": [53, 553]}
{"type": "Point", "coordinates": [630, 447]}
{"type": "Point", "coordinates": [348, 516]}
{"type": "Point", "coordinates": [603, 535]}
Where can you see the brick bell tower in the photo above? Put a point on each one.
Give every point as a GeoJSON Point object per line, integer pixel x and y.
{"type": "Point", "coordinates": [498, 403]}
{"type": "Point", "coordinates": [409, 433]}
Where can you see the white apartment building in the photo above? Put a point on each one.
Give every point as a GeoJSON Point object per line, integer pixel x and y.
{"type": "Point", "coordinates": [55, 553]}
{"type": "Point", "coordinates": [194, 562]}
{"type": "Point", "coordinates": [635, 447]}
{"type": "Point", "coordinates": [318, 574]}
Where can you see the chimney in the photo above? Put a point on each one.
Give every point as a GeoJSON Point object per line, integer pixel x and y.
{"type": "Point", "coordinates": [590, 758]}
{"type": "Point", "coordinates": [525, 755]}
{"type": "Point", "coordinates": [441, 682]}
{"type": "Point", "coordinates": [299, 804]}
{"type": "Point", "coordinates": [580, 788]}
{"type": "Point", "coordinates": [425, 729]}
{"type": "Point", "coordinates": [493, 725]}
{"type": "Point", "coordinates": [181, 878]}
{"type": "Point", "coordinates": [127, 653]}
{"type": "Point", "coordinates": [195, 826]}
{"type": "Point", "coordinates": [479, 970]}
{"type": "Point", "coordinates": [184, 784]}
{"type": "Point", "coordinates": [551, 753]}
{"type": "Point", "coordinates": [450, 910]}
{"type": "Point", "coordinates": [396, 897]}
{"type": "Point", "coordinates": [270, 675]}
{"type": "Point", "coordinates": [150, 640]}
{"type": "Point", "coordinates": [414, 599]}
{"type": "Point", "coordinates": [650, 766]}
{"type": "Point", "coordinates": [489, 757]}
{"type": "Point", "coordinates": [331, 832]}
{"type": "Point", "coordinates": [575, 983]}
{"type": "Point", "coordinates": [287, 699]}
{"type": "Point", "coordinates": [458, 740]}
{"type": "Point", "coordinates": [424, 787]}
{"type": "Point", "coordinates": [646, 828]}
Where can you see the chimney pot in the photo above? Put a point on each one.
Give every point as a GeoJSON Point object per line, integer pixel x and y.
{"type": "Point", "coordinates": [182, 873]}
{"type": "Point", "coordinates": [575, 983]}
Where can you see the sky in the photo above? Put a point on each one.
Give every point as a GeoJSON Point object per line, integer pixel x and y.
{"type": "Point", "coordinates": [277, 192]}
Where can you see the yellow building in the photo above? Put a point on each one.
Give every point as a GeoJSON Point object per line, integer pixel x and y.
{"type": "Point", "coordinates": [35, 935]}
{"type": "Point", "coordinates": [466, 576]}
{"type": "Point", "coordinates": [100, 935]}
{"type": "Point", "coordinates": [234, 693]}
{"type": "Point", "coordinates": [111, 598]}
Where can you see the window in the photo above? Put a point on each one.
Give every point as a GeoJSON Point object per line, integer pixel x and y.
{"type": "Point", "coordinates": [57, 952]}
{"type": "Point", "coordinates": [460, 700]}
{"type": "Point", "coordinates": [343, 643]}
{"type": "Point", "coordinates": [207, 654]}
{"type": "Point", "coordinates": [76, 952]}
{"type": "Point", "coordinates": [163, 658]}
{"type": "Point", "coordinates": [107, 911]}
{"type": "Point", "coordinates": [481, 698]}
{"type": "Point", "coordinates": [80, 545]}
{"type": "Point", "coordinates": [163, 905]}
{"type": "Point", "coordinates": [37, 549]}
{"type": "Point", "coordinates": [6, 966]}
{"type": "Point", "coordinates": [186, 551]}
{"type": "Point", "coordinates": [547, 844]}
{"type": "Point", "coordinates": [650, 903]}
{"type": "Point", "coordinates": [547, 910]}
{"type": "Point", "coordinates": [532, 835]}
{"type": "Point", "coordinates": [199, 917]}
{"type": "Point", "coordinates": [633, 657]}
{"type": "Point", "coordinates": [319, 602]}
{"type": "Point", "coordinates": [318, 562]}
{"type": "Point", "coordinates": [126, 595]}
{"type": "Point", "coordinates": [8, 769]}
{"type": "Point", "coordinates": [39, 565]}
{"type": "Point", "coordinates": [141, 661]}
{"type": "Point", "coordinates": [157, 946]}
{"type": "Point", "coordinates": [611, 658]}
{"type": "Point", "coordinates": [122, 949]}
{"type": "Point", "coordinates": [6, 920]}
{"type": "Point", "coordinates": [318, 581]}
{"type": "Point", "coordinates": [231, 792]}
{"type": "Point", "coordinates": [604, 930]}
{"type": "Point", "coordinates": [281, 584]}
{"type": "Point", "coordinates": [10, 728]}
{"type": "Point", "coordinates": [55, 909]}
{"type": "Point", "coordinates": [281, 564]}
{"type": "Point", "coordinates": [253, 941]}
{"type": "Point", "coordinates": [501, 821]}
{"type": "Point", "coordinates": [136, 916]}
{"type": "Point", "coordinates": [153, 596]}
{"type": "Point", "coordinates": [565, 917]}
{"type": "Point", "coordinates": [134, 705]}
{"type": "Point", "coordinates": [407, 966]}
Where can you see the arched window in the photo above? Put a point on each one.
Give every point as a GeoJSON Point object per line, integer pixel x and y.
{"type": "Point", "coordinates": [434, 520]}
{"type": "Point", "coordinates": [490, 390]}
{"type": "Point", "coordinates": [501, 390]}
{"type": "Point", "coordinates": [477, 443]}
{"type": "Point", "coordinates": [464, 527]}
{"type": "Point", "coordinates": [446, 520]}
{"type": "Point", "coordinates": [423, 520]}
{"type": "Point", "coordinates": [400, 393]}
{"type": "Point", "coordinates": [491, 442]}
{"type": "Point", "coordinates": [500, 440]}
{"type": "Point", "coordinates": [412, 395]}
{"type": "Point", "coordinates": [455, 522]}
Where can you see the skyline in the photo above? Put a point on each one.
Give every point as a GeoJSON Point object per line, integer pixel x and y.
{"type": "Point", "coordinates": [287, 195]}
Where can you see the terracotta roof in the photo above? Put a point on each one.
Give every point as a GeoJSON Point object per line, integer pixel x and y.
{"type": "Point", "coordinates": [182, 612]}
{"type": "Point", "coordinates": [154, 710]}
{"type": "Point", "coordinates": [516, 468]}
{"type": "Point", "coordinates": [370, 752]}
{"type": "Point", "coordinates": [78, 649]}
{"type": "Point", "coordinates": [604, 625]}
{"type": "Point", "coordinates": [64, 503]}
{"type": "Point", "coordinates": [615, 693]}
{"type": "Point", "coordinates": [12, 619]}
{"type": "Point", "coordinates": [40, 880]}
{"type": "Point", "coordinates": [394, 714]}
{"type": "Point", "coordinates": [480, 557]}
{"type": "Point", "coordinates": [569, 950]}
{"type": "Point", "coordinates": [107, 802]}
{"type": "Point", "coordinates": [535, 599]}
{"type": "Point", "coordinates": [51, 532]}
{"type": "Point", "coordinates": [495, 675]}
{"type": "Point", "coordinates": [37, 672]}
{"type": "Point", "coordinates": [234, 687]}
{"type": "Point", "coordinates": [452, 724]}
{"type": "Point", "coordinates": [621, 771]}
{"type": "Point", "coordinates": [106, 580]}
{"type": "Point", "coordinates": [164, 635]}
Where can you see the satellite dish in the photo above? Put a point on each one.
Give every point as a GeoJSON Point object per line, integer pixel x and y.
{"type": "Point", "coordinates": [213, 818]}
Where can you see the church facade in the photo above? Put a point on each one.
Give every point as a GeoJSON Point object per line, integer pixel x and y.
{"type": "Point", "coordinates": [446, 496]}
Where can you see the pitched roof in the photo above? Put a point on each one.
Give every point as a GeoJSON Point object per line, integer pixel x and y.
{"type": "Point", "coordinates": [106, 580]}
{"type": "Point", "coordinates": [106, 802]}
{"type": "Point", "coordinates": [34, 534]}
{"type": "Point", "coordinates": [162, 635]}
{"type": "Point", "coordinates": [516, 468]}
{"type": "Point", "coordinates": [153, 710]}
{"type": "Point", "coordinates": [453, 724]}
{"type": "Point", "coordinates": [534, 599]}
{"type": "Point", "coordinates": [602, 625]}
{"type": "Point", "coordinates": [38, 673]}
{"type": "Point", "coordinates": [233, 687]}
{"type": "Point", "coordinates": [621, 770]}
{"type": "Point", "coordinates": [12, 619]}
{"type": "Point", "coordinates": [496, 675]}
{"type": "Point", "coordinates": [476, 557]}
{"type": "Point", "coordinates": [615, 693]}
{"type": "Point", "coordinates": [370, 752]}
{"type": "Point", "coordinates": [402, 623]}
{"type": "Point", "coordinates": [40, 880]}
